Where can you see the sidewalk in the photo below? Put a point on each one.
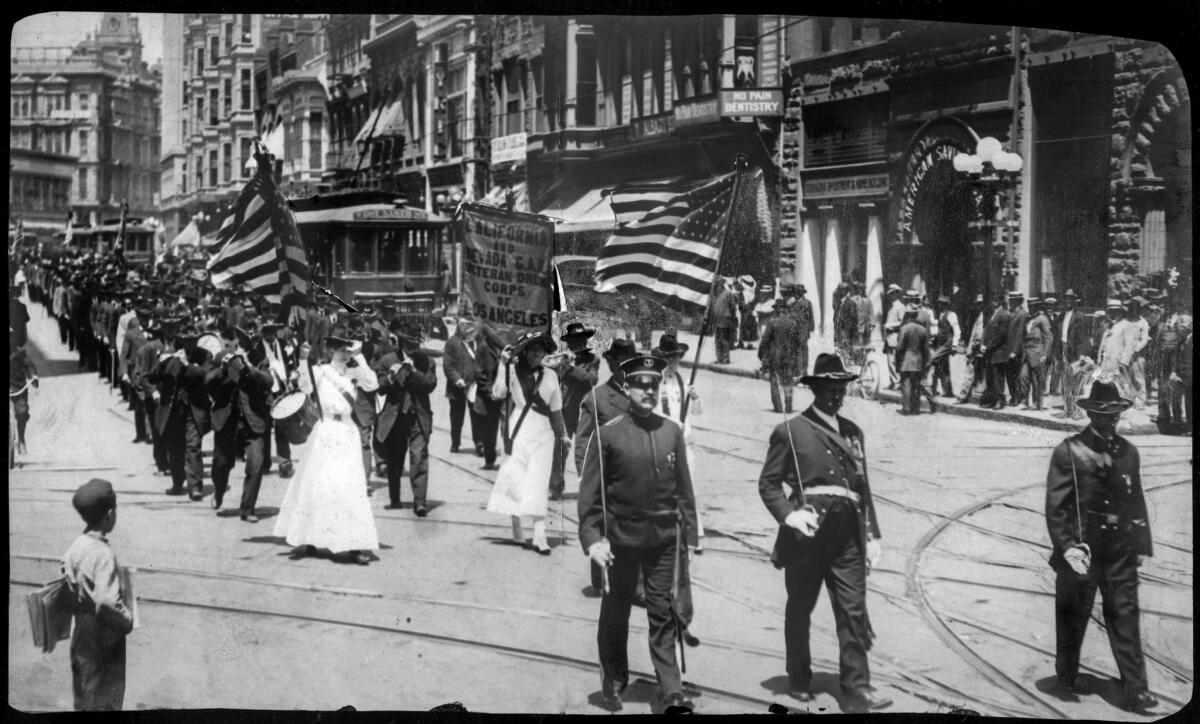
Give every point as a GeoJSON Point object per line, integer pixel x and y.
{"type": "Point", "coordinates": [744, 363]}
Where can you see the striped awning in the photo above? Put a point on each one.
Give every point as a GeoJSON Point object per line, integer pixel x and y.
{"type": "Point", "coordinates": [367, 127]}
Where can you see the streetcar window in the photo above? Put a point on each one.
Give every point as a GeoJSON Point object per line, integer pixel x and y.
{"type": "Point", "coordinates": [361, 245]}
{"type": "Point", "coordinates": [416, 255]}
{"type": "Point", "coordinates": [391, 245]}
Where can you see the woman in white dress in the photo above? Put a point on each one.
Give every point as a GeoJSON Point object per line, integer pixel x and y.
{"type": "Point", "coordinates": [523, 483]}
{"type": "Point", "coordinates": [326, 504]}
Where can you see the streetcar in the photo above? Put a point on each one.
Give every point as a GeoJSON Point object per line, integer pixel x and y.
{"type": "Point", "coordinates": [138, 247]}
{"type": "Point", "coordinates": [366, 245]}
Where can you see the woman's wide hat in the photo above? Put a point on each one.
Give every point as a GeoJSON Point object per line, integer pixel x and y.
{"type": "Point", "coordinates": [577, 332]}
{"type": "Point", "coordinates": [1104, 398]}
{"type": "Point", "coordinates": [529, 338]}
{"type": "Point", "coordinates": [828, 368]}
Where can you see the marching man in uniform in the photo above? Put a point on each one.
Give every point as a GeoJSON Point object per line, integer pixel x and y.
{"type": "Point", "coordinates": [828, 531]}
{"type": "Point", "coordinates": [1096, 516]}
{"type": "Point", "coordinates": [636, 508]}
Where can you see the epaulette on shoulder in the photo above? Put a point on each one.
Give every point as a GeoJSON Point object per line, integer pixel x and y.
{"type": "Point", "coordinates": [614, 421]}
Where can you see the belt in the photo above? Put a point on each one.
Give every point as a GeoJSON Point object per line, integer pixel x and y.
{"type": "Point", "coordinates": [1109, 518]}
{"type": "Point", "coordinates": [832, 490]}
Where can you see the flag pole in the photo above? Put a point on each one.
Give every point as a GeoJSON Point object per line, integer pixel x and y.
{"type": "Point", "coordinates": [740, 164]}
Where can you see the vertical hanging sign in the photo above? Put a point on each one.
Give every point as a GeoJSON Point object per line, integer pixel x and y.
{"type": "Point", "coordinates": [768, 51]}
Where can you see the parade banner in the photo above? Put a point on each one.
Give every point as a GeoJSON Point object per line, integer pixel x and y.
{"type": "Point", "coordinates": [506, 264]}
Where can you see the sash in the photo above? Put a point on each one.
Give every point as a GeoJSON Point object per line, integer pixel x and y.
{"type": "Point", "coordinates": [338, 383]}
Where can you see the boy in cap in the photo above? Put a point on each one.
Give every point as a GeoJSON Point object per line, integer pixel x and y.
{"type": "Point", "coordinates": [102, 614]}
{"type": "Point", "coordinates": [636, 507]}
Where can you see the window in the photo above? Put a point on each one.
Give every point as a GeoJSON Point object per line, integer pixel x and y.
{"type": "Point", "coordinates": [391, 245]}
{"type": "Point", "coordinates": [199, 60]}
{"type": "Point", "coordinates": [228, 106]}
{"type": "Point", "coordinates": [199, 112]}
{"type": "Point", "coordinates": [416, 250]}
{"type": "Point", "coordinates": [856, 30]}
{"type": "Point", "coordinates": [212, 106]}
{"type": "Point", "coordinates": [83, 184]}
{"type": "Point", "coordinates": [1154, 242]}
{"type": "Point", "coordinates": [246, 28]}
{"type": "Point", "coordinates": [228, 37]}
{"type": "Point", "coordinates": [183, 177]}
{"type": "Point", "coordinates": [455, 130]}
{"type": "Point", "coordinates": [227, 163]}
{"type": "Point", "coordinates": [825, 34]}
{"type": "Point", "coordinates": [84, 102]}
{"type": "Point", "coordinates": [315, 125]}
{"type": "Point", "coordinates": [83, 143]}
{"type": "Point", "coordinates": [244, 157]}
{"type": "Point", "coordinates": [585, 83]}
{"type": "Point", "coordinates": [212, 167]}
{"type": "Point", "coordinates": [245, 106]}
{"type": "Point", "coordinates": [214, 47]}
{"type": "Point", "coordinates": [184, 95]}
{"type": "Point", "coordinates": [199, 172]}
{"type": "Point", "coordinates": [360, 245]}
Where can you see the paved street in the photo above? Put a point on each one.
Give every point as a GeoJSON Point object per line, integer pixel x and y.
{"type": "Point", "coordinates": [962, 602]}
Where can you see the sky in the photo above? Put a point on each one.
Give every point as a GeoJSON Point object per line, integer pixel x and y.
{"type": "Point", "coordinates": [61, 29]}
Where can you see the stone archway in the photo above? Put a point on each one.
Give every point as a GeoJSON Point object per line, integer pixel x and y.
{"type": "Point", "coordinates": [929, 232]}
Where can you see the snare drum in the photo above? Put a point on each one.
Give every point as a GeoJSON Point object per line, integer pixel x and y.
{"type": "Point", "coordinates": [295, 413]}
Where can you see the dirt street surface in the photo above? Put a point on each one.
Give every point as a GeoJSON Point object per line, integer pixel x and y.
{"type": "Point", "coordinates": [962, 602]}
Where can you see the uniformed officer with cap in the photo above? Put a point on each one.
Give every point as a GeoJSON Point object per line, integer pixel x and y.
{"type": "Point", "coordinates": [636, 507]}
{"type": "Point", "coordinates": [1096, 517]}
{"type": "Point", "coordinates": [828, 531]}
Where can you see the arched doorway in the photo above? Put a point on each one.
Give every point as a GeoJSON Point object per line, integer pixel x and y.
{"type": "Point", "coordinates": [941, 213]}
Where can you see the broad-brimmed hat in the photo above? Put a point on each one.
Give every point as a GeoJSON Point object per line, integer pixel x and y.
{"type": "Point", "coordinates": [1015, 296]}
{"type": "Point", "coordinates": [335, 341]}
{"type": "Point", "coordinates": [1114, 304]}
{"type": "Point", "coordinates": [620, 348]}
{"type": "Point", "coordinates": [828, 368]}
{"type": "Point", "coordinates": [911, 294]}
{"type": "Point", "coordinates": [1104, 397]}
{"type": "Point", "coordinates": [528, 339]}
{"type": "Point", "coordinates": [1034, 302]}
{"type": "Point", "coordinates": [270, 326]}
{"type": "Point", "coordinates": [645, 365]}
{"type": "Point", "coordinates": [1050, 300]}
{"type": "Point", "coordinates": [577, 332]}
{"type": "Point", "coordinates": [669, 347]}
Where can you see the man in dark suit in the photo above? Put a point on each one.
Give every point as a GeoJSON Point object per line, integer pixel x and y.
{"type": "Point", "coordinates": [995, 350]}
{"type": "Point", "coordinates": [635, 505]}
{"type": "Point", "coordinates": [1096, 518]}
{"type": "Point", "coordinates": [406, 378]}
{"type": "Point", "coordinates": [802, 310]}
{"type": "Point", "coordinates": [196, 422]}
{"type": "Point", "coordinates": [1016, 345]}
{"type": "Point", "coordinates": [778, 353]}
{"type": "Point", "coordinates": [828, 531]}
{"type": "Point", "coordinates": [487, 410]}
{"type": "Point", "coordinates": [1034, 354]}
{"type": "Point", "coordinates": [170, 412]}
{"type": "Point", "coordinates": [577, 383]}
{"type": "Point", "coordinates": [458, 364]}
{"type": "Point", "coordinates": [912, 360]}
{"type": "Point", "coordinates": [724, 320]}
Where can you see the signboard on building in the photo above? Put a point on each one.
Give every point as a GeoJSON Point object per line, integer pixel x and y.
{"type": "Point", "coordinates": [751, 102]}
{"type": "Point", "coordinates": [505, 267]}
{"type": "Point", "coordinates": [509, 148]}
{"type": "Point", "coordinates": [72, 114]}
{"type": "Point", "coordinates": [768, 50]}
{"type": "Point", "coordinates": [696, 110]}
{"type": "Point", "coordinates": [831, 188]}
{"type": "Point", "coordinates": [378, 214]}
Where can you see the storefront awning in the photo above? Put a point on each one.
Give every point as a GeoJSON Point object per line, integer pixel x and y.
{"type": "Point", "coordinates": [190, 236]}
{"type": "Point", "coordinates": [497, 197]}
{"type": "Point", "coordinates": [589, 212]}
{"type": "Point", "coordinates": [391, 123]}
{"type": "Point", "coordinates": [367, 127]}
{"type": "Point", "coordinates": [366, 213]}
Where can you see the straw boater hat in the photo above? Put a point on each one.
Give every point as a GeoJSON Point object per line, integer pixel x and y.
{"type": "Point", "coordinates": [828, 368]}
{"type": "Point", "coordinates": [1104, 398]}
{"type": "Point", "coordinates": [1115, 304]}
{"type": "Point", "coordinates": [894, 289]}
{"type": "Point", "coordinates": [669, 347]}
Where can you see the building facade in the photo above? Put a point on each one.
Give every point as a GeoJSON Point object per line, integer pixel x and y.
{"type": "Point", "coordinates": [99, 103]}
{"type": "Point", "coordinates": [39, 190]}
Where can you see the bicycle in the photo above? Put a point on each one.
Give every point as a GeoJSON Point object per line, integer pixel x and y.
{"type": "Point", "coordinates": [858, 360]}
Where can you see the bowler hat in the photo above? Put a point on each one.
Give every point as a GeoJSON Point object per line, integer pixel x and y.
{"type": "Point", "coordinates": [619, 349]}
{"type": "Point", "coordinates": [828, 368]}
{"type": "Point", "coordinates": [669, 347]}
{"type": "Point", "coordinates": [1104, 397]}
{"type": "Point", "coordinates": [644, 365]}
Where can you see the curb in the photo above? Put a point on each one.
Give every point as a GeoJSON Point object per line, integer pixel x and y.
{"type": "Point", "coordinates": [967, 410]}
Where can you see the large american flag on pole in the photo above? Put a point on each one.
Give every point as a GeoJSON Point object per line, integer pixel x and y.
{"type": "Point", "coordinates": [667, 241]}
{"type": "Point", "coordinates": [259, 243]}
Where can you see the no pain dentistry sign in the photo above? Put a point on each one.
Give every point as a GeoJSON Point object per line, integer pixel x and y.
{"type": "Point", "coordinates": [751, 102]}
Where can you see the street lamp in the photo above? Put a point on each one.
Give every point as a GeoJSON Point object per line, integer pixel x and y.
{"type": "Point", "coordinates": [989, 170]}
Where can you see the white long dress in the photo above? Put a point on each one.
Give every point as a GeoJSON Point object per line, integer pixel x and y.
{"type": "Point", "coordinates": [326, 504]}
{"type": "Point", "coordinates": [523, 482]}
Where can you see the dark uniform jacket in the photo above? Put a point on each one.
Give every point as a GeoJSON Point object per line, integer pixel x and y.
{"type": "Point", "coordinates": [143, 366]}
{"type": "Point", "coordinates": [193, 392]}
{"type": "Point", "coordinates": [647, 484]}
{"type": "Point", "coordinates": [995, 335]}
{"type": "Point", "coordinates": [610, 402]}
{"type": "Point", "coordinates": [577, 383]}
{"type": "Point", "coordinates": [405, 391]}
{"type": "Point", "coordinates": [824, 457]}
{"type": "Point", "coordinates": [458, 363]}
{"type": "Point", "coordinates": [1110, 494]}
{"type": "Point", "coordinates": [167, 376]}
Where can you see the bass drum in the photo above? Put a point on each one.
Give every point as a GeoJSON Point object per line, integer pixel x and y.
{"type": "Point", "coordinates": [295, 413]}
{"type": "Point", "coordinates": [210, 343]}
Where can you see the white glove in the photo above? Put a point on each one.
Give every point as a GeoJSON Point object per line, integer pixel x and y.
{"type": "Point", "coordinates": [601, 552]}
{"type": "Point", "coordinates": [125, 378]}
{"type": "Point", "coordinates": [804, 520]}
{"type": "Point", "coordinates": [155, 396]}
{"type": "Point", "coordinates": [874, 552]}
{"type": "Point", "coordinates": [1079, 558]}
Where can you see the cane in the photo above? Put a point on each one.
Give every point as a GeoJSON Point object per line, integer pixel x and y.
{"type": "Point", "coordinates": [679, 627]}
{"type": "Point", "coordinates": [603, 497]}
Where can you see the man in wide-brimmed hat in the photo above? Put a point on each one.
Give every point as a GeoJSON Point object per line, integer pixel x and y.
{"type": "Point", "coordinates": [945, 337]}
{"type": "Point", "coordinates": [1115, 348]}
{"type": "Point", "coordinates": [1016, 342]}
{"type": "Point", "coordinates": [801, 308]}
{"type": "Point", "coordinates": [995, 350]}
{"type": "Point", "coordinates": [458, 365]}
{"type": "Point", "coordinates": [1173, 328]}
{"type": "Point", "coordinates": [1096, 517]}
{"type": "Point", "coordinates": [724, 321]}
{"type": "Point", "coordinates": [976, 370]}
{"type": "Point", "coordinates": [778, 355]}
{"type": "Point", "coordinates": [406, 377]}
{"type": "Point", "coordinates": [1035, 353]}
{"type": "Point", "coordinates": [828, 531]}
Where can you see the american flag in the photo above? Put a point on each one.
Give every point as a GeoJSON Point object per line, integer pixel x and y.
{"type": "Point", "coordinates": [667, 241]}
{"type": "Point", "coordinates": [260, 246]}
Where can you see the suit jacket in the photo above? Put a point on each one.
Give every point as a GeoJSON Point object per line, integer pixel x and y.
{"type": "Point", "coordinates": [824, 457]}
{"type": "Point", "coordinates": [1016, 331]}
{"type": "Point", "coordinates": [1037, 339]}
{"type": "Point", "coordinates": [577, 383]}
{"type": "Point", "coordinates": [458, 363]}
{"type": "Point", "coordinates": [316, 328]}
{"type": "Point", "coordinates": [995, 335]}
{"type": "Point", "coordinates": [221, 384]}
{"type": "Point", "coordinates": [725, 308]}
{"type": "Point", "coordinates": [647, 484]}
{"type": "Point", "coordinates": [1110, 484]}
{"type": "Point", "coordinates": [802, 309]}
{"type": "Point", "coordinates": [405, 392]}
{"type": "Point", "coordinates": [192, 388]}
{"type": "Point", "coordinates": [779, 348]}
{"type": "Point", "coordinates": [166, 377]}
{"type": "Point", "coordinates": [912, 348]}
{"type": "Point", "coordinates": [133, 342]}
{"type": "Point", "coordinates": [143, 366]}
{"type": "Point", "coordinates": [609, 402]}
